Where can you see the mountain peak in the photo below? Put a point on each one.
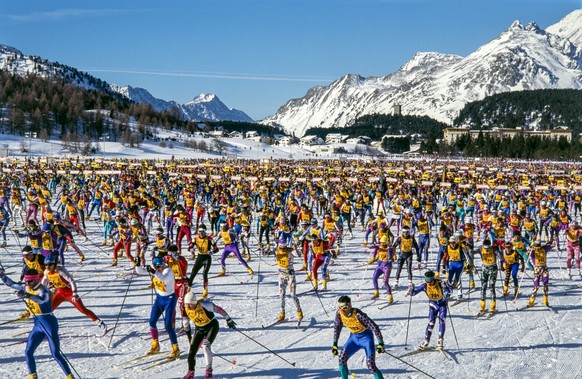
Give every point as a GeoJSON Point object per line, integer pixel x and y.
{"type": "Point", "coordinates": [532, 26]}
{"type": "Point", "coordinates": [205, 98]}
{"type": "Point", "coordinates": [516, 25]}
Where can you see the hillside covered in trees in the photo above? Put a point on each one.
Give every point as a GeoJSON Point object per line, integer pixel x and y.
{"type": "Point", "coordinates": [60, 108]}
{"type": "Point", "coordinates": [539, 109]}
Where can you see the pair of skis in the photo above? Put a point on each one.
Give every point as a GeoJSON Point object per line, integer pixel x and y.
{"type": "Point", "coordinates": [427, 349]}
{"type": "Point", "coordinates": [143, 366]}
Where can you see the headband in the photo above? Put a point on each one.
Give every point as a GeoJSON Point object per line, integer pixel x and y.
{"type": "Point", "coordinates": [36, 277]}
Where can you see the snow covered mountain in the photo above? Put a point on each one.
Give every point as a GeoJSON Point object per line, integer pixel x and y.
{"type": "Point", "coordinates": [209, 107]}
{"type": "Point", "coordinates": [13, 60]}
{"type": "Point", "coordinates": [205, 107]}
{"type": "Point", "coordinates": [439, 85]}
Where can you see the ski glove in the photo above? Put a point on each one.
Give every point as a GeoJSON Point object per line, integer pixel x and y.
{"type": "Point", "coordinates": [380, 348]}
{"type": "Point", "coordinates": [410, 290]}
{"type": "Point", "coordinates": [334, 349]}
{"type": "Point", "coordinates": [230, 323]}
{"type": "Point", "coordinates": [22, 294]}
{"type": "Point", "coordinates": [150, 269]}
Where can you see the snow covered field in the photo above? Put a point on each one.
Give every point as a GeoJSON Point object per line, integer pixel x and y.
{"type": "Point", "coordinates": [533, 343]}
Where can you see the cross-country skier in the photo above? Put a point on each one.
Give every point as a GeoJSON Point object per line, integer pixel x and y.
{"type": "Point", "coordinates": [438, 293]}
{"type": "Point", "coordinates": [66, 290]}
{"type": "Point", "coordinates": [201, 315]}
{"type": "Point", "coordinates": [362, 331]}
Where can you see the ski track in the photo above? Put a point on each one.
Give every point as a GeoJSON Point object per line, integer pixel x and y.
{"type": "Point", "coordinates": [532, 343]}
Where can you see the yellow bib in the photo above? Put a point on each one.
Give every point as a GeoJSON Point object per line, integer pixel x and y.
{"type": "Point", "coordinates": [56, 279]}
{"type": "Point", "coordinates": [198, 315]}
{"type": "Point", "coordinates": [434, 292]}
{"type": "Point", "coordinates": [352, 323]}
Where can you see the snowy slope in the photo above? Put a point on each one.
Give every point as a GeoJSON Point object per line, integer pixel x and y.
{"type": "Point", "coordinates": [569, 27]}
{"type": "Point", "coordinates": [533, 343]}
{"type": "Point", "coordinates": [439, 85]}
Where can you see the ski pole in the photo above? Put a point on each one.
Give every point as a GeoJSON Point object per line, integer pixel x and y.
{"type": "Point", "coordinates": [257, 296]}
{"type": "Point", "coordinates": [452, 325]}
{"type": "Point", "coordinates": [406, 363]}
{"type": "Point", "coordinates": [120, 309]}
{"type": "Point", "coordinates": [266, 348]}
{"type": "Point", "coordinates": [408, 322]}
{"type": "Point", "coordinates": [518, 287]}
{"type": "Point", "coordinates": [504, 296]}
{"type": "Point", "coordinates": [319, 298]}
{"type": "Point", "coordinates": [223, 358]}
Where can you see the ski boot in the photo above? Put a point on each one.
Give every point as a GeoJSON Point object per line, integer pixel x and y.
{"type": "Point", "coordinates": [314, 283]}
{"type": "Point", "coordinates": [102, 326]}
{"type": "Point", "coordinates": [545, 300]}
{"type": "Point", "coordinates": [114, 262]}
{"type": "Point", "coordinates": [515, 292]}
{"type": "Point", "coordinates": [424, 344]}
{"type": "Point", "coordinates": [33, 376]}
{"type": "Point", "coordinates": [299, 315]}
{"type": "Point", "coordinates": [208, 373]}
{"type": "Point", "coordinates": [104, 243]}
{"type": "Point", "coordinates": [308, 277]}
{"type": "Point", "coordinates": [482, 307]}
{"type": "Point", "coordinates": [505, 290]}
{"type": "Point", "coordinates": [390, 299]}
{"type": "Point", "coordinates": [440, 343]}
{"type": "Point", "coordinates": [222, 273]}
{"type": "Point", "coordinates": [324, 285]}
{"type": "Point", "coordinates": [24, 315]}
{"type": "Point", "coordinates": [492, 307]}
{"type": "Point", "coordinates": [204, 294]}
{"type": "Point", "coordinates": [189, 375]}
{"type": "Point", "coordinates": [281, 316]}
{"type": "Point", "coordinates": [376, 294]}
{"type": "Point", "coordinates": [155, 347]}
{"type": "Point", "coordinates": [531, 301]}
{"type": "Point", "coordinates": [175, 353]}
{"type": "Point", "coordinates": [250, 271]}
{"type": "Point", "coordinates": [471, 284]}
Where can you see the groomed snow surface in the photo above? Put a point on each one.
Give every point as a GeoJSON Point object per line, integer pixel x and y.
{"type": "Point", "coordinates": [533, 343]}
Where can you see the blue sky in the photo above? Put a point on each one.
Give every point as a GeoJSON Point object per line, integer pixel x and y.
{"type": "Point", "coordinates": [255, 55]}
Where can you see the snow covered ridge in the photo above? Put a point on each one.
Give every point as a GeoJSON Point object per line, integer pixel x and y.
{"type": "Point", "coordinates": [205, 107]}
{"type": "Point", "coordinates": [439, 85]}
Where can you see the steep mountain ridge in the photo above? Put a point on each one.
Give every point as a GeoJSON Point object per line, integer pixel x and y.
{"type": "Point", "coordinates": [439, 85]}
